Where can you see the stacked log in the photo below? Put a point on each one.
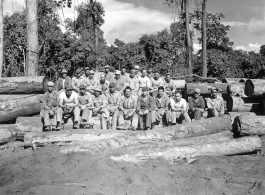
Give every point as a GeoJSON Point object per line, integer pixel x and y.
{"type": "Point", "coordinates": [206, 88]}
{"type": "Point", "coordinates": [241, 104]}
{"type": "Point", "coordinates": [255, 87]}
{"type": "Point", "coordinates": [234, 80]}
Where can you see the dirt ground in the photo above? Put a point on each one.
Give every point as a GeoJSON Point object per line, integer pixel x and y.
{"type": "Point", "coordinates": [47, 171]}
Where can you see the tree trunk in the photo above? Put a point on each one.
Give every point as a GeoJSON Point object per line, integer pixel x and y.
{"type": "Point", "coordinates": [10, 110]}
{"type": "Point", "coordinates": [32, 38]}
{"type": "Point", "coordinates": [120, 141]}
{"type": "Point", "coordinates": [252, 125]}
{"type": "Point", "coordinates": [172, 154]}
{"type": "Point", "coordinates": [204, 52]}
{"type": "Point", "coordinates": [234, 80]}
{"type": "Point", "coordinates": [23, 85]}
{"type": "Point", "coordinates": [206, 88]}
{"type": "Point", "coordinates": [1, 38]}
{"type": "Point", "coordinates": [240, 104]}
{"type": "Point", "coordinates": [237, 89]}
{"type": "Point", "coordinates": [255, 87]}
{"type": "Point", "coordinates": [188, 44]}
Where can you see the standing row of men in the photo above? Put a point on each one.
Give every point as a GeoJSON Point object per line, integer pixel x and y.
{"type": "Point", "coordinates": [120, 98]}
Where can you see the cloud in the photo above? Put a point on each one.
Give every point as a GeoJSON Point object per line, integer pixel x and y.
{"type": "Point", "coordinates": [254, 45]}
{"type": "Point", "coordinates": [240, 47]}
{"type": "Point", "coordinates": [235, 24]}
{"type": "Point", "coordinates": [196, 47]}
{"type": "Point", "coordinates": [250, 47]}
{"type": "Point", "coordinates": [9, 7]}
{"type": "Point", "coordinates": [256, 26]}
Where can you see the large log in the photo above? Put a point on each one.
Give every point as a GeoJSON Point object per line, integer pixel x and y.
{"type": "Point", "coordinates": [120, 141]}
{"type": "Point", "coordinates": [237, 89]}
{"type": "Point", "coordinates": [251, 125]}
{"type": "Point", "coordinates": [255, 87]}
{"type": "Point", "coordinates": [7, 133]}
{"type": "Point", "coordinates": [219, 148]}
{"type": "Point", "coordinates": [234, 80]}
{"type": "Point", "coordinates": [179, 84]}
{"type": "Point", "coordinates": [206, 88]}
{"type": "Point", "coordinates": [10, 110]}
{"type": "Point", "coordinates": [8, 97]}
{"type": "Point", "coordinates": [241, 104]}
{"type": "Point", "coordinates": [234, 115]}
{"type": "Point", "coordinates": [23, 85]}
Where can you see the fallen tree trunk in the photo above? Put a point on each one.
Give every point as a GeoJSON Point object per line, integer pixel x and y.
{"type": "Point", "coordinates": [236, 90]}
{"type": "Point", "coordinates": [255, 87]}
{"type": "Point", "coordinates": [120, 141]}
{"type": "Point", "coordinates": [23, 85]}
{"type": "Point", "coordinates": [241, 104]}
{"type": "Point", "coordinates": [234, 115]}
{"type": "Point", "coordinates": [7, 133]}
{"type": "Point", "coordinates": [206, 88]}
{"type": "Point", "coordinates": [29, 124]}
{"type": "Point", "coordinates": [234, 80]}
{"type": "Point", "coordinates": [4, 98]}
{"type": "Point", "coordinates": [251, 125]}
{"type": "Point", "coordinates": [10, 110]}
{"type": "Point", "coordinates": [219, 148]}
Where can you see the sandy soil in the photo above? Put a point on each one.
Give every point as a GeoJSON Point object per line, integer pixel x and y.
{"type": "Point", "coordinates": [47, 171]}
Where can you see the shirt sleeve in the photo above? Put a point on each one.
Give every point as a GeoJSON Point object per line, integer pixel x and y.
{"type": "Point", "coordinates": [184, 105]}
{"type": "Point", "coordinates": [172, 103]}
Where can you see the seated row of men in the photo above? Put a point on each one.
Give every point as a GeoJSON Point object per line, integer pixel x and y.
{"type": "Point", "coordinates": [136, 80]}
{"type": "Point", "coordinates": [113, 107]}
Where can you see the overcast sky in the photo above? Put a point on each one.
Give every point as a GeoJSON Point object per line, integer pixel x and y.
{"type": "Point", "coordinates": [128, 19]}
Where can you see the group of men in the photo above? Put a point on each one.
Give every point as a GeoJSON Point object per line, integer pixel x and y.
{"type": "Point", "coordinates": [138, 100]}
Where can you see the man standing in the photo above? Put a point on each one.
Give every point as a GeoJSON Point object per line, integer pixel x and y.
{"type": "Point", "coordinates": [108, 74]}
{"type": "Point", "coordinates": [77, 80]}
{"type": "Point", "coordinates": [90, 82]}
{"type": "Point", "coordinates": [133, 83]}
{"type": "Point", "coordinates": [137, 71]}
{"type": "Point", "coordinates": [127, 107]}
{"type": "Point", "coordinates": [178, 107]}
{"type": "Point", "coordinates": [150, 73]}
{"type": "Point", "coordinates": [63, 81]}
{"type": "Point", "coordinates": [196, 105]}
{"type": "Point", "coordinates": [68, 104]}
{"type": "Point", "coordinates": [85, 102]}
{"type": "Point", "coordinates": [113, 101]}
{"type": "Point", "coordinates": [119, 81]}
{"type": "Point", "coordinates": [144, 81]}
{"type": "Point", "coordinates": [145, 107]}
{"type": "Point", "coordinates": [169, 86]}
{"type": "Point", "coordinates": [215, 104]}
{"type": "Point", "coordinates": [124, 74]}
{"type": "Point", "coordinates": [50, 103]}
{"type": "Point", "coordinates": [156, 82]}
{"type": "Point", "coordinates": [162, 107]}
{"type": "Point", "coordinates": [103, 83]}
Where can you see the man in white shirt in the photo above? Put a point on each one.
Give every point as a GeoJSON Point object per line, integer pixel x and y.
{"type": "Point", "coordinates": [133, 83]}
{"type": "Point", "coordinates": [156, 82]}
{"type": "Point", "coordinates": [179, 109]}
{"type": "Point", "coordinates": [144, 81]}
{"type": "Point", "coordinates": [68, 104]}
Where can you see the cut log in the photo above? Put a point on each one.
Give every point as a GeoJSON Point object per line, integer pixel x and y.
{"type": "Point", "coordinates": [23, 85]}
{"type": "Point", "coordinates": [251, 125]}
{"type": "Point", "coordinates": [4, 98]}
{"type": "Point", "coordinates": [206, 88]}
{"type": "Point", "coordinates": [179, 84]}
{"type": "Point", "coordinates": [121, 141]}
{"type": "Point", "coordinates": [236, 90]}
{"type": "Point", "coordinates": [10, 110]}
{"type": "Point", "coordinates": [234, 80]}
{"type": "Point", "coordinates": [220, 148]}
{"type": "Point", "coordinates": [7, 133]}
{"type": "Point", "coordinates": [233, 115]}
{"type": "Point", "coordinates": [255, 87]}
{"type": "Point", "coordinates": [241, 104]}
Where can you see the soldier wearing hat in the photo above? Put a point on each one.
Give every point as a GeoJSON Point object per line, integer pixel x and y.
{"type": "Point", "coordinates": [119, 81]}
{"type": "Point", "coordinates": [107, 72]}
{"type": "Point", "coordinates": [68, 104]}
{"type": "Point", "coordinates": [196, 105]}
{"type": "Point", "coordinates": [63, 81]}
{"type": "Point", "coordinates": [85, 102]}
{"type": "Point", "coordinates": [90, 82]}
{"type": "Point", "coordinates": [215, 104]}
{"type": "Point", "coordinates": [50, 103]}
{"type": "Point", "coordinates": [113, 100]}
{"type": "Point", "coordinates": [145, 107]}
{"type": "Point", "coordinates": [77, 79]}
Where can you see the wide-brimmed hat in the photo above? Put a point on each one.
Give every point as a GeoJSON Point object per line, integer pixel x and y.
{"type": "Point", "coordinates": [117, 72]}
{"type": "Point", "coordinates": [82, 86]}
{"type": "Point", "coordinates": [50, 83]}
{"type": "Point", "coordinates": [64, 71]}
{"type": "Point", "coordinates": [91, 72]}
{"type": "Point", "coordinates": [97, 89]}
{"type": "Point", "coordinates": [196, 90]}
{"type": "Point", "coordinates": [107, 66]}
{"type": "Point", "coordinates": [112, 84]}
{"type": "Point", "coordinates": [68, 88]}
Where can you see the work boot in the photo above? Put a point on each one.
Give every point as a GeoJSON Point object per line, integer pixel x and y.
{"type": "Point", "coordinates": [76, 125]}
{"type": "Point", "coordinates": [82, 124]}
{"type": "Point", "coordinates": [58, 126]}
{"type": "Point", "coordinates": [108, 124]}
{"type": "Point", "coordinates": [47, 128]}
{"type": "Point", "coordinates": [54, 128]}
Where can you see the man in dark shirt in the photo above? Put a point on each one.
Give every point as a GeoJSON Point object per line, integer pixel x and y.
{"type": "Point", "coordinates": [196, 105]}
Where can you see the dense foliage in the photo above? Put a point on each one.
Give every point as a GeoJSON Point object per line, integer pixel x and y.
{"type": "Point", "coordinates": [164, 51]}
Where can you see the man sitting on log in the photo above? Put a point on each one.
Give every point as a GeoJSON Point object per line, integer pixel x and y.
{"type": "Point", "coordinates": [127, 109]}
{"type": "Point", "coordinates": [119, 81]}
{"type": "Point", "coordinates": [63, 81]}
{"type": "Point", "coordinates": [85, 102]}
{"type": "Point", "coordinates": [169, 86]}
{"type": "Point", "coordinates": [145, 108]}
{"type": "Point", "coordinates": [178, 107]}
{"type": "Point", "coordinates": [50, 103]}
{"type": "Point", "coordinates": [90, 82]}
{"type": "Point", "coordinates": [162, 107]}
{"type": "Point", "coordinates": [99, 106]}
{"type": "Point", "coordinates": [113, 100]}
{"type": "Point", "coordinates": [68, 105]}
{"type": "Point", "coordinates": [215, 104]}
{"type": "Point", "coordinates": [196, 105]}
